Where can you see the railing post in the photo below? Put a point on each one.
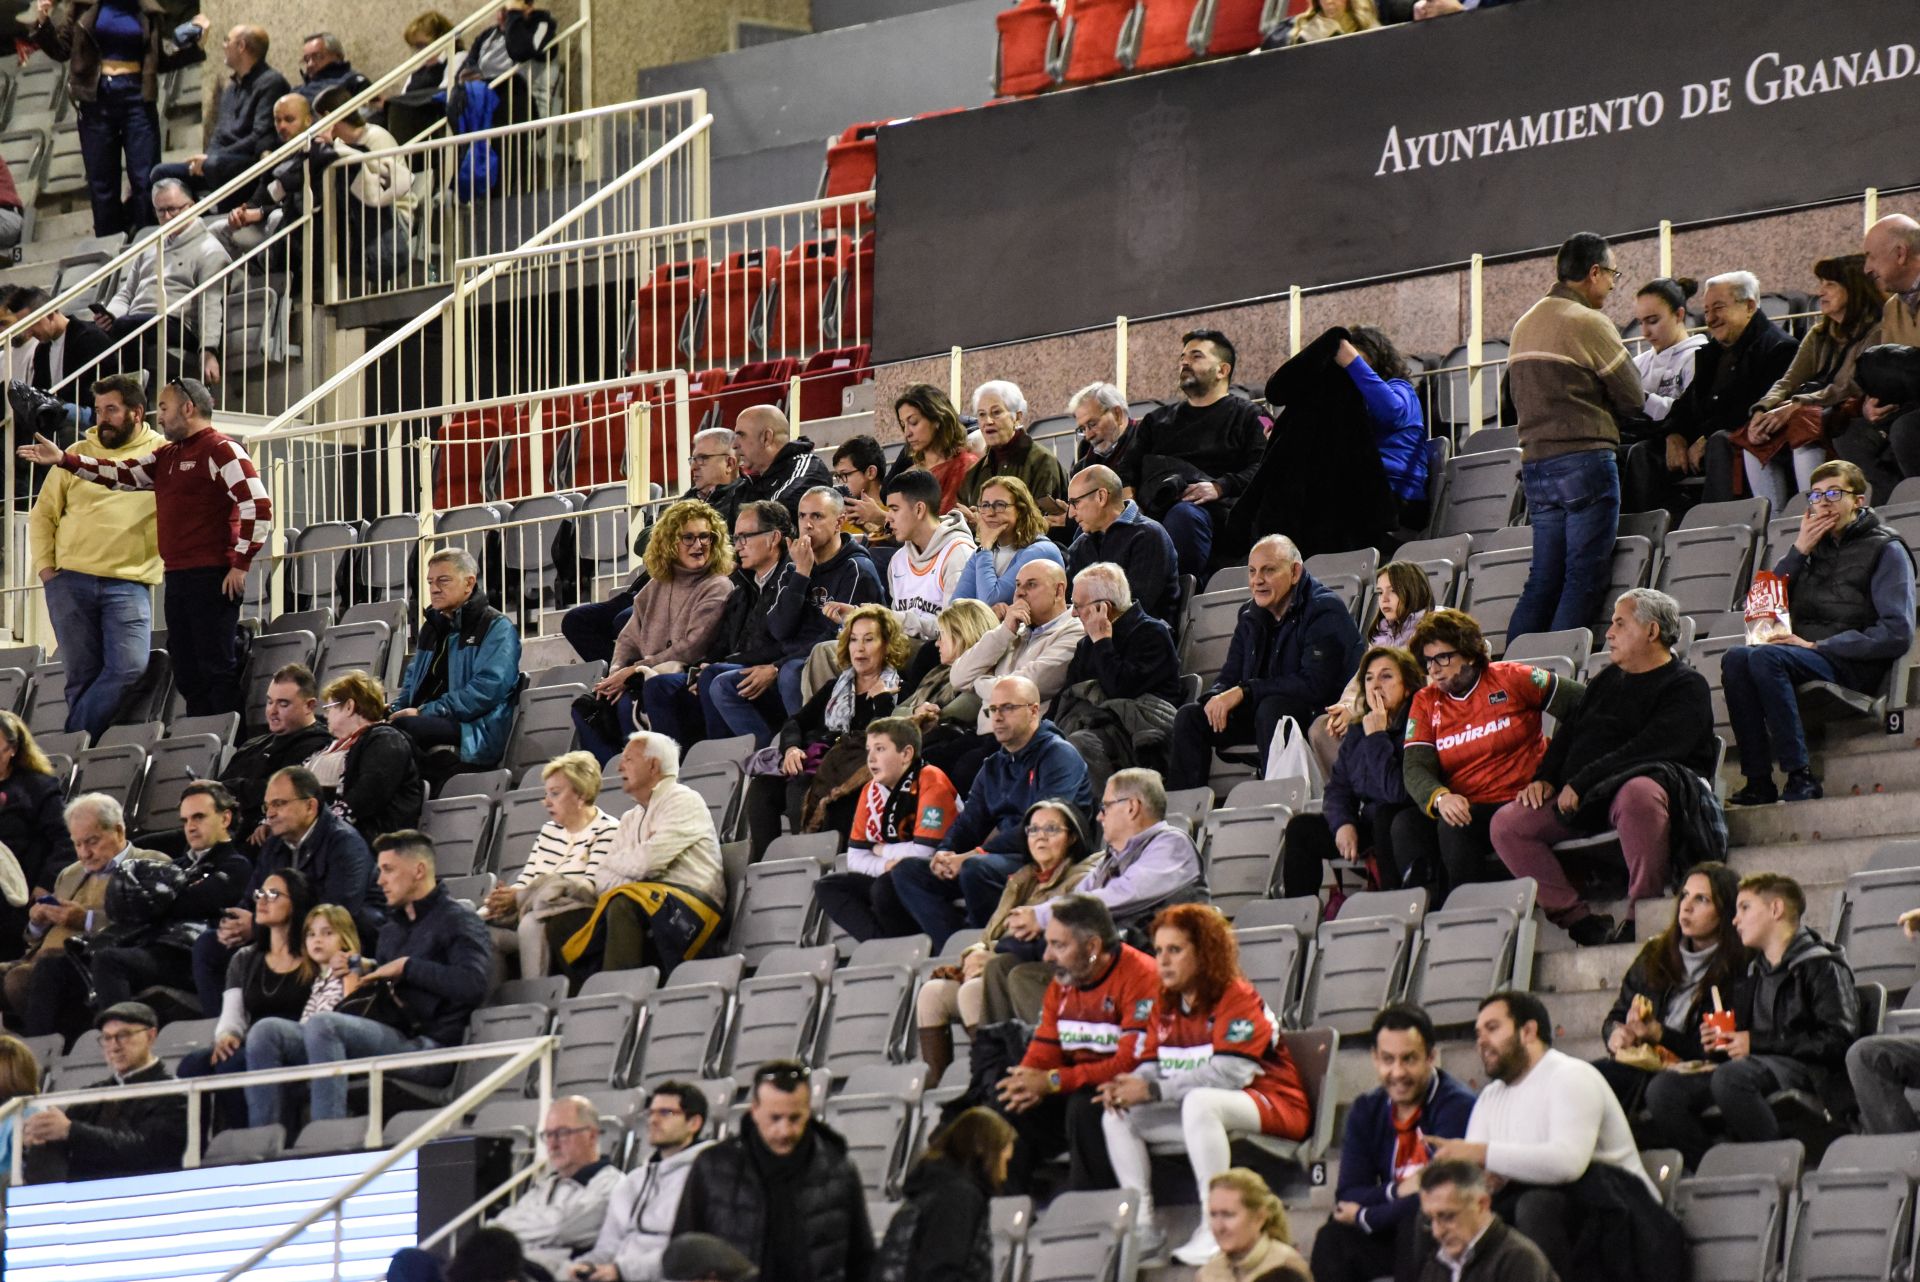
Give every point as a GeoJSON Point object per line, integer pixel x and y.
{"type": "Point", "coordinates": [1474, 302]}
{"type": "Point", "coordinates": [537, 449]}
{"type": "Point", "coordinates": [586, 54]}
{"type": "Point", "coordinates": [277, 539]}
{"type": "Point", "coordinates": [682, 429]}
{"type": "Point", "coordinates": [1666, 247]}
{"type": "Point", "coordinates": [1293, 320]}
{"type": "Point", "coordinates": [1120, 354]}
{"type": "Point", "coordinates": [191, 1158]}
{"type": "Point", "coordinates": [953, 378]}
{"type": "Point", "coordinates": [639, 454]}
{"type": "Point", "coordinates": [793, 401]}
{"type": "Point", "coordinates": [376, 1076]}
{"type": "Point", "coordinates": [702, 158]}
{"type": "Point", "coordinates": [1870, 206]}
{"type": "Point", "coordinates": [424, 447]}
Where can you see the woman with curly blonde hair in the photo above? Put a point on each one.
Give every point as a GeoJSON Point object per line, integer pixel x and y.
{"type": "Point", "coordinates": [819, 764]}
{"type": "Point", "coordinates": [1329, 18]}
{"type": "Point", "coordinates": [689, 560]}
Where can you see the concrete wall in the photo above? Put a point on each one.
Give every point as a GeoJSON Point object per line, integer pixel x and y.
{"type": "Point", "coordinates": [828, 14]}
{"type": "Point", "coordinates": [1425, 315]}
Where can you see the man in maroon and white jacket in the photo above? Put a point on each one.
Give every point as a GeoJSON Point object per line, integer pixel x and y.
{"type": "Point", "coordinates": [213, 516]}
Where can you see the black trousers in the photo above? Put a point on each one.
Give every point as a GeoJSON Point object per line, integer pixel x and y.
{"type": "Point", "coordinates": [1888, 451]}
{"type": "Point", "coordinates": [1457, 855]}
{"type": "Point", "coordinates": [1060, 1123]}
{"type": "Point", "coordinates": [1194, 742]}
{"type": "Point", "coordinates": [1310, 844]}
{"type": "Point", "coordinates": [865, 906]}
{"type": "Point", "coordinates": [202, 640]}
{"type": "Point", "coordinates": [120, 973]}
{"type": "Point", "coordinates": [1348, 1253]}
{"type": "Point", "coordinates": [1542, 1215]}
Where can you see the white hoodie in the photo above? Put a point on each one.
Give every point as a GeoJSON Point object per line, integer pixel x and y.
{"type": "Point", "coordinates": [1666, 374]}
{"type": "Point", "coordinates": [921, 580]}
{"type": "Point", "coordinates": [640, 1214]}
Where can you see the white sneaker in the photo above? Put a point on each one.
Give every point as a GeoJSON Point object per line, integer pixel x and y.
{"type": "Point", "coordinates": [1199, 1248]}
{"type": "Point", "coordinates": [1149, 1241]}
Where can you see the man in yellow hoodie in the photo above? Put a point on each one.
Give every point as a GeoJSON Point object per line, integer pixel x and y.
{"type": "Point", "coordinates": [97, 553]}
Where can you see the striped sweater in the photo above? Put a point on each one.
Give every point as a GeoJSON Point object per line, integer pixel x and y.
{"type": "Point", "coordinates": [565, 854]}
{"type": "Point", "coordinates": [1570, 377]}
{"type": "Point", "coordinates": [209, 504]}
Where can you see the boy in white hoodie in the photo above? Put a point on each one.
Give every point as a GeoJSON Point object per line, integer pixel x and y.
{"type": "Point", "coordinates": [934, 550]}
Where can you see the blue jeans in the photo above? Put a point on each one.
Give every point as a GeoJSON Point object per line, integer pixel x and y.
{"type": "Point", "coordinates": [230, 1105]}
{"type": "Point", "coordinates": [119, 122]}
{"type": "Point", "coordinates": [1759, 682]}
{"type": "Point", "coordinates": [943, 905]}
{"type": "Point", "coordinates": [789, 683]}
{"type": "Point", "coordinates": [1574, 504]}
{"type": "Point", "coordinates": [729, 712]}
{"type": "Point", "coordinates": [671, 710]}
{"type": "Point", "coordinates": [1190, 526]}
{"type": "Point", "coordinates": [330, 1038]}
{"type": "Point", "coordinates": [105, 630]}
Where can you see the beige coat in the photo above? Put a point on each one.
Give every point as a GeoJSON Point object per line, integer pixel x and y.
{"type": "Point", "coordinates": [670, 839]}
{"type": "Point", "coordinates": [1042, 655]}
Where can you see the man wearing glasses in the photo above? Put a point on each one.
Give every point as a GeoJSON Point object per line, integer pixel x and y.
{"type": "Point", "coordinates": [1572, 385]}
{"type": "Point", "coordinates": [560, 1213]}
{"type": "Point", "coordinates": [194, 256]}
{"type": "Point", "coordinates": [783, 1191]}
{"type": "Point", "coordinates": [1850, 600]}
{"type": "Point", "coordinates": [1113, 528]}
{"type": "Point", "coordinates": [639, 1221]}
{"type": "Point", "coordinates": [112, 1137]}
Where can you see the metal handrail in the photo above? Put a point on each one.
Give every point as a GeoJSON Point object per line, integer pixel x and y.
{"type": "Point", "coordinates": [640, 235]}
{"type": "Point", "coordinates": [579, 25]}
{"type": "Point", "coordinates": [208, 204]}
{"type": "Point", "coordinates": [422, 144]}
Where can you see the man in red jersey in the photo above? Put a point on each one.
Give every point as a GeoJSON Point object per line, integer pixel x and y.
{"type": "Point", "coordinates": [213, 516]}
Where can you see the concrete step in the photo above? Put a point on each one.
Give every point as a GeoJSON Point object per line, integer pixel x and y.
{"type": "Point", "coordinates": [1870, 772]}
{"type": "Point", "coordinates": [1831, 860]}
{"type": "Point", "coordinates": [1879, 815]}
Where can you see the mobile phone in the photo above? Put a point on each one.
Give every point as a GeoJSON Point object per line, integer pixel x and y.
{"type": "Point", "coordinates": [47, 899]}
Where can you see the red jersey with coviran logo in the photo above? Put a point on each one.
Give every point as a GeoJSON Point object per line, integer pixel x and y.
{"type": "Point", "coordinates": [1240, 1024]}
{"type": "Point", "coordinates": [1489, 740]}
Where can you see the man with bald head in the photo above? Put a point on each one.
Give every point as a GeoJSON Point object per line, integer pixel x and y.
{"type": "Point", "coordinates": [1295, 642]}
{"type": "Point", "coordinates": [960, 886]}
{"type": "Point", "coordinates": [776, 464]}
{"type": "Point", "coordinates": [1036, 640]}
{"type": "Point", "coordinates": [1884, 442]}
{"type": "Point", "coordinates": [560, 1213]}
{"type": "Point", "coordinates": [275, 199]}
{"type": "Point", "coordinates": [1115, 530]}
{"type": "Point", "coordinates": [242, 129]}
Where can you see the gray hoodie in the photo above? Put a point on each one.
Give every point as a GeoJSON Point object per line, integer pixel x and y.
{"type": "Point", "coordinates": [193, 257]}
{"type": "Point", "coordinates": [639, 1220]}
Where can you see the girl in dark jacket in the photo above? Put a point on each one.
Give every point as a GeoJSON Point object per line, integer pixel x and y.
{"type": "Point", "coordinates": [367, 774]}
{"type": "Point", "coordinates": [1366, 805]}
{"type": "Point", "coordinates": [1675, 973]}
{"type": "Point", "coordinates": [942, 1231]}
{"type": "Point", "coordinates": [32, 824]}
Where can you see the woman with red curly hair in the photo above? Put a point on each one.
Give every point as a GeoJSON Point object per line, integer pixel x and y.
{"type": "Point", "coordinates": [1215, 1065]}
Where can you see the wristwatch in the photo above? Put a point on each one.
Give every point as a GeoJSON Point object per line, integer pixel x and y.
{"type": "Point", "coordinates": [1053, 1080]}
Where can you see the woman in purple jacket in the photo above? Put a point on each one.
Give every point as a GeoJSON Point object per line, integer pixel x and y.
{"type": "Point", "coordinates": [1366, 806]}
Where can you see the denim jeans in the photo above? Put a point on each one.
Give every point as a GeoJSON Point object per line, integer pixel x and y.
{"type": "Point", "coordinates": [1190, 526]}
{"type": "Point", "coordinates": [729, 712]}
{"type": "Point", "coordinates": [1574, 504]}
{"type": "Point", "coordinates": [672, 711]}
{"type": "Point", "coordinates": [328, 1038]}
{"type": "Point", "coordinates": [105, 630]}
{"type": "Point", "coordinates": [119, 122]}
{"type": "Point", "coordinates": [1759, 682]}
{"type": "Point", "coordinates": [943, 905]}
{"type": "Point", "coordinates": [789, 683]}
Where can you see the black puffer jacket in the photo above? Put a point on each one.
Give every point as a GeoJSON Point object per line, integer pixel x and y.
{"type": "Point", "coordinates": [1804, 1009]}
{"type": "Point", "coordinates": [943, 1230]}
{"type": "Point", "coordinates": [726, 1195]}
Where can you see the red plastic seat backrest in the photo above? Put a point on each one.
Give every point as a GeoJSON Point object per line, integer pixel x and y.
{"type": "Point", "coordinates": [1236, 26]}
{"type": "Point", "coordinates": [1096, 38]}
{"type": "Point", "coordinates": [1163, 34]}
{"type": "Point", "coordinates": [1025, 32]}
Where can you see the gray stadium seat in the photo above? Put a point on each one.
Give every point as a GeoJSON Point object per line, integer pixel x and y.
{"type": "Point", "coordinates": [820, 847]}
{"type": "Point", "coordinates": [174, 763]}
{"type": "Point", "coordinates": [391, 611]}
{"type": "Point", "coordinates": [1444, 560]}
{"type": "Point", "coordinates": [1706, 569]}
{"type": "Point", "coordinates": [1081, 1236]}
{"type": "Point", "coordinates": [315, 558]}
{"type": "Point", "coordinates": [542, 726]}
{"type": "Point", "coordinates": [1483, 493]}
{"type": "Point", "coordinates": [67, 743]}
{"type": "Point", "coordinates": [462, 832]}
{"type": "Point", "coordinates": [1294, 794]}
{"type": "Point", "coordinates": [875, 1113]}
{"type": "Point", "coordinates": [14, 683]}
{"type": "Point", "coordinates": [1856, 1210]}
{"type": "Point", "coordinates": [1008, 1221]}
{"type": "Point", "coordinates": [1242, 848]}
{"type": "Point", "coordinates": [1866, 924]}
{"type": "Point", "coordinates": [118, 772]}
{"type": "Point", "coordinates": [1492, 589]}
{"type": "Point", "coordinates": [596, 1042]}
{"type": "Point", "coordinates": [224, 726]}
{"type": "Point", "coordinates": [348, 647]}
{"type": "Point", "coordinates": [1749, 512]}
{"type": "Point", "coordinates": [246, 1144]}
{"type": "Point", "coordinates": [539, 990]}
{"type": "Point", "coordinates": [331, 1135]}
{"type": "Point", "coordinates": [687, 1020]}
{"type": "Point", "coordinates": [316, 621]}
{"type": "Point", "coordinates": [639, 983]}
{"type": "Point", "coordinates": [521, 818]}
{"type": "Point", "coordinates": [472, 889]}
{"type": "Point", "coordinates": [271, 652]}
{"type": "Point", "coordinates": [731, 751]}
{"type": "Point", "coordinates": [47, 699]}
{"type": "Point", "coordinates": [1210, 621]}
{"type": "Point", "coordinates": [1735, 1209]}
{"type": "Point", "coordinates": [1664, 1168]}
{"type": "Point", "coordinates": [1480, 943]}
{"type": "Point", "coordinates": [478, 783]}
{"type": "Point", "coordinates": [1361, 958]}
{"type": "Point", "coordinates": [500, 1024]}
{"type": "Point", "coordinates": [721, 784]}
{"type": "Point", "coordinates": [779, 1009]}
{"type": "Point", "coordinates": [141, 733]}
{"type": "Point", "coordinates": [1573, 644]}
{"type": "Point", "coordinates": [530, 572]}
{"type": "Point", "coordinates": [1273, 958]}
{"type": "Point", "coordinates": [871, 1007]}
{"type": "Point", "coordinates": [587, 673]}
{"type": "Point", "coordinates": [1194, 803]}
{"type": "Point", "coordinates": [775, 908]}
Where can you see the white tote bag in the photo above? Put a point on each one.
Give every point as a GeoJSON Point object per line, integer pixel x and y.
{"type": "Point", "coordinates": [1290, 756]}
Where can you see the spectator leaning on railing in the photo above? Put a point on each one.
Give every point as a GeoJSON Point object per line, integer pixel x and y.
{"type": "Point", "coordinates": [213, 516]}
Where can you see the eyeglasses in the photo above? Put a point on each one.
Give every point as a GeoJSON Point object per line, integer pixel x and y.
{"type": "Point", "coordinates": [329, 707]}
{"type": "Point", "coordinates": [846, 474]}
{"type": "Point", "coordinates": [164, 212]}
{"type": "Point", "coordinates": [698, 540]}
{"type": "Point", "coordinates": [1826, 496]}
{"type": "Point", "coordinates": [1107, 804]}
{"type": "Point", "coordinates": [266, 896]}
{"type": "Point", "coordinates": [1044, 830]}
{"type": "Point", "coordinates": [740, 536]}
{"type": "Point", "coordinates": [997, 506]}
{"type": "Point", "coordinates": [122, 1037]}
{"type": "Point", "coordinates": [1007, 709]}
{"type": "Point", "coordinates": [698, 459]}
{"type": "Point", "coordinates": [782, 1077]}
{"type": "Point", "coordinates": [559, 1133]}
{"type": "Point", "coordinates": [1439, 660]}
{"type": "Point", "coordinates": [1075, 500]}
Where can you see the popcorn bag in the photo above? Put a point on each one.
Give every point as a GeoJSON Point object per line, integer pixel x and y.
{"type": "Point", "coordinates": [1767, 608]}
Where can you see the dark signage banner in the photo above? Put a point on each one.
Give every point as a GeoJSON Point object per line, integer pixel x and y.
{"type": "Point", "coordinates": [1494, 133]}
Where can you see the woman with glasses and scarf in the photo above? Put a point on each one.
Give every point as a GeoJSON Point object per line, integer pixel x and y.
{"type": "Point", "coordinates": [1474, 740]}
{"type": "Point", "coordinates": [367, 775]}
{"type": "Point", "coordinates": [817, 768]}
{"type": "Point", "coordinates": [689, 562]}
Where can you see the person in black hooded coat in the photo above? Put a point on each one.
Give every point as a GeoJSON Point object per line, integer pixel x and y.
{"type": "Point", "coordinates": [943, 1231]}
{"type": "Point", "coordinates": [1320, 430]}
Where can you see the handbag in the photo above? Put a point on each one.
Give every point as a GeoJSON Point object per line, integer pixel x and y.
{"type": "Point", "coordinates": [1290, 756]}
{"type": "Point", "coordinates": [601, 716]}
{"type": "Point", "coordinates": [379, 1000]}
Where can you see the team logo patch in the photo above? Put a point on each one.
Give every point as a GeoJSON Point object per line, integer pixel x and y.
{"type": "Point", "coordinates": [1498, 696]}
{"type": "Point", "coordinates": [1240, 1030]}
{"type": "Point", "coordinates": [935, 815]}
{"type": "Point", "coordinates": [1143, 1008]}
{"type": "Point", "coordinates": [1539, 677]}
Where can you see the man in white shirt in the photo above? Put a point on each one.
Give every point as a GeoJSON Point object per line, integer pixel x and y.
{"type": "Point", "coordinates": [922, 575]}
{"type": "Point", "coordinates": [1542, 1121]}
{"type": "Point", "coordinates": [639, 1220]}
{"type": "Point", "coordinates": [561, 1212]}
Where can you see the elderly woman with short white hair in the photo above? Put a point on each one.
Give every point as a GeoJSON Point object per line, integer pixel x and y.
{"type": "Point", "coordinates": [1001, 408]}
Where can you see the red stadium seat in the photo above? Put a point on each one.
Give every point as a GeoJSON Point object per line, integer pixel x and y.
{"type": "Point", "coordinates": [1093, 39]}
{"type": "Point", "coordinates": [598, 422]}
{"type": "Point", "coordinates": [1236, 25]}
{"type": "Point", "coordinates": [807, 276]}
{"type": "Point", "coordinates": [850, 160]}
{"type": "Point", "coordinates": [516, 458]}
{"type": "Point", "coordinates": [703, 398]}
{"type": "Point", "coordinates": [755, 383]}
{"type": "Point", "coordinates": [854, 317]}
{"type": "Point", "coordinates": [826, 375]}
{"type": "Point", "coordinates": [1166, 34]}
{"type": "Point", "coordinates": [736, 305]}
{"type": "Point", "coordinates": [460, 463]}
{"type": "Point", "coordinates": [1026, 36]}
{"type": "Point", "coordinates": [664, 307]}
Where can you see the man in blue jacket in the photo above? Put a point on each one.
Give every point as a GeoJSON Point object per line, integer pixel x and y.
{"type": "Point", "coordinates": [961, 884]}
{"type": "Point", "coordinates": [1376, 1211]}
{"type": "Point", "coordinates": [457, 693]}
{"type": "Point", "coordinates": [1292, 653]}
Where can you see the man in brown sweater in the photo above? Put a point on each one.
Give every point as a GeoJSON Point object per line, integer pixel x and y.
{"type": "Point", "coordinates": [1572, 382]}
{"type": "Point", "coordinates": [1885, 441]}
